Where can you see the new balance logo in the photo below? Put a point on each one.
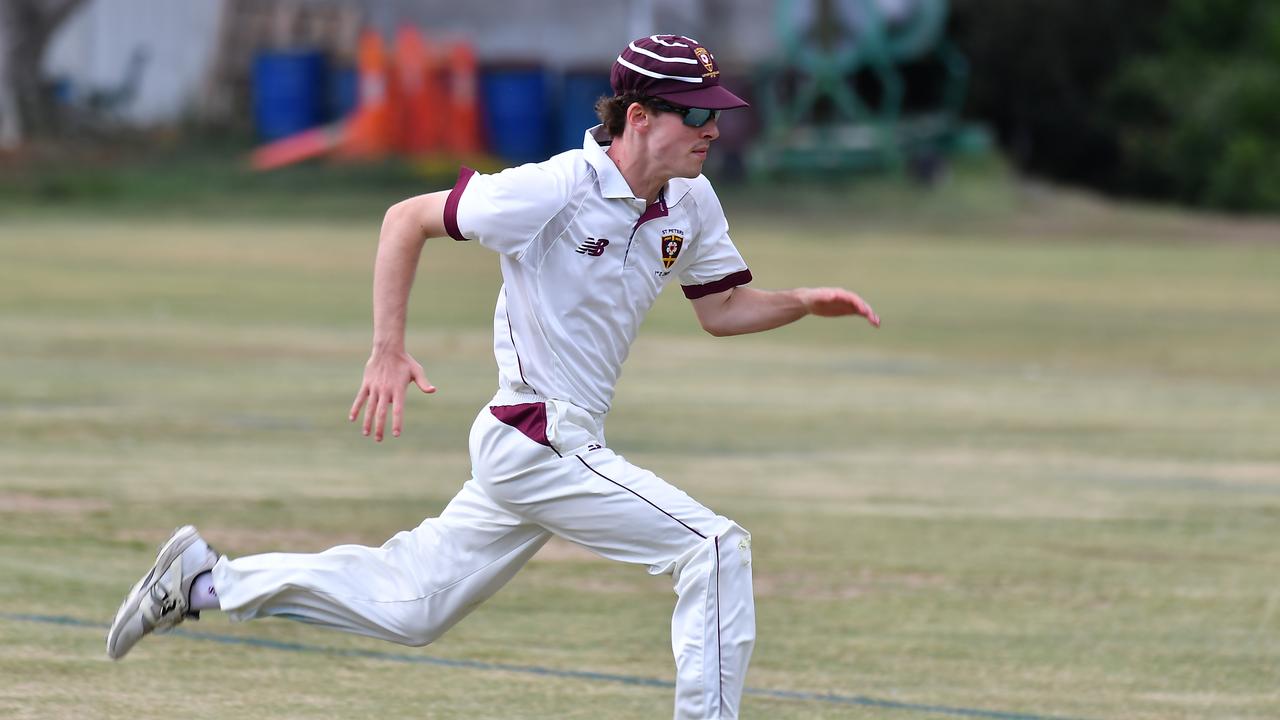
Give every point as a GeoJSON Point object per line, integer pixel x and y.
{"type": "Point", "coordinates": [593, 247]}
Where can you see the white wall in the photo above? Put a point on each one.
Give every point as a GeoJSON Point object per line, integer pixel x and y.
{"type": "Point", "coordinates": [586, 32]}
{"type": "Point", "coordinates": [92, 50]}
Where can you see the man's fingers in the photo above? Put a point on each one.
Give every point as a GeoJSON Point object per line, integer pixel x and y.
{"type": "Point", "coordinates": [865, 309]}
{"type": "Point", "coordinates": [355, 406]}
{"type": "Point", "coordinates": [380, 422]}
{"type": "Point", "coordinates": [838, 301]}
{"type": "Point", "coordinates": [369, 412]}
{"type": "Point", "coordinates": [860, 306]}
{"type": "Point", "coordinates": [420, 379]}
{"type": "Point", "coordinates": [383, 392]}
{"type": "Point", "coordinates": [397, 413]}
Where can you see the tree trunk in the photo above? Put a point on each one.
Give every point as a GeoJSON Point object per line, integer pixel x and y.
{"type": "Point", "coordinates": [25, 29]}
{"type": "Point", "coordinates": [10, 116]}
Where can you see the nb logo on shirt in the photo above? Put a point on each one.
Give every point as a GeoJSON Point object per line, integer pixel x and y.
{"type": "Point", "coordinates": [593, 247]}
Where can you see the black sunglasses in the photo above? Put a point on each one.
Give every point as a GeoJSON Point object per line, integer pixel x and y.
{"type": "Point", "coordinates": [693, 117]}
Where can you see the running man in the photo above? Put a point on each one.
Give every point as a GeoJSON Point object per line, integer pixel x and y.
{"type": "Point", "coordinates": [586, 240]}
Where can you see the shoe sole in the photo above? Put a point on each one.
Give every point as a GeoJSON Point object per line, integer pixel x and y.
{"type": "Point", "coordinates": [182, 539]}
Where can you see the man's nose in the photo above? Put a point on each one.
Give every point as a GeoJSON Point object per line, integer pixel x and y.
{"type": "Point", "coordinates": [711, 130]}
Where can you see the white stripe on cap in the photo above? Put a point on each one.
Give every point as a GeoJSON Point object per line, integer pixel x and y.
{"type": "Point", "coordinates": [656, 56]}
{"type": "Point", "coordinates": [660, 76]}
{"type": "Point", "coordinates": [658, 39]}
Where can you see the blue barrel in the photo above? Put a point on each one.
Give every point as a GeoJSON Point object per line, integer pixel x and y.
{"type": "Point", "coordinates": [578, 95]}
{"type": "Point", "coordinates": [344, 92]}
{"type": "Point", "coordinates": [289, 92]}
{"type": "Point", "coordinates": [516, 107]}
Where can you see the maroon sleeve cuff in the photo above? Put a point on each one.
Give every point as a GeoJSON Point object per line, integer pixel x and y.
{"type": "Point", "coordinates": [451, 204]}
{"type": "Point", "coordinates": [693, 292]}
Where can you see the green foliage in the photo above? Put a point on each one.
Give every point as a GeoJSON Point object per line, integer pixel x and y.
{"type": "Point", "coordinates": [1176, 99]}
{"type": "Point", "coordinates": [1196, 121]}
{"type": "Point", "coordinates": [1039, 70]}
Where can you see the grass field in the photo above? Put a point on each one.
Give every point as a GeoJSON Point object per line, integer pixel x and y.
{"type": "Point", "coordinates": [1049, 486]}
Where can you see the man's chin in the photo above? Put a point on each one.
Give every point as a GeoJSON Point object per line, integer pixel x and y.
{"type": "Point", "coordinates": [694, 170]}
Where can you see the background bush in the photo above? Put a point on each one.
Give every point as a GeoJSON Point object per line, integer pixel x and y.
{"type": "Point", "coordinates": [1171, 99]}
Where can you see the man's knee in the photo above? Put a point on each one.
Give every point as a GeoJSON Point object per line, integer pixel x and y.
{"type": "Point", "coordinates": [734, 548]}
{"type": "Point", "coordinates": [728, 554]}
{"type": "Point", "coordinates": [411, 624]}
{"type": "Point", "coordinates": [418, 633]}
{"type": "Point", "coordinates": [736, 597]}
{"type": "Point", "coordinates": [733, 552]}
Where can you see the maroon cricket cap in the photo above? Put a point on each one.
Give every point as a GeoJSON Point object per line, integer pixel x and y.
{"type": "Point", "coordinates": [675, 68]}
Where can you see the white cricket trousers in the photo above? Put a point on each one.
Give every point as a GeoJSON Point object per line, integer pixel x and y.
{"type": "Point", "coordinates": [539, 467]}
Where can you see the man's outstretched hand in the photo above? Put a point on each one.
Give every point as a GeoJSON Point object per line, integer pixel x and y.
{"type": "Point", "coordinates": [386, 377]}
{"type": "Point", "coordinates": [834, 302]}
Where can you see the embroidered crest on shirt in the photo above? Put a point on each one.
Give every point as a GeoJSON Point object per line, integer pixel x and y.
{"type": "Point", "coordinates": [593, 247]}
{"type": "Point", "coordinates": [672, 241]}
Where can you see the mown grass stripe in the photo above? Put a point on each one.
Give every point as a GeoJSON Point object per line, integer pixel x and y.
{"type": "Point", "coordinates": [832, 698]}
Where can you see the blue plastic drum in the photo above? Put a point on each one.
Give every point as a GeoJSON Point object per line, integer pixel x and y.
{"type": "Point", "coordinates": [344, 92]}
{"type": "Point", "coordinates": [578, 96]}
{"type": "Point", "coordinates": [289, 92]}
{"type": "Point", "coordinates": [516, 107]}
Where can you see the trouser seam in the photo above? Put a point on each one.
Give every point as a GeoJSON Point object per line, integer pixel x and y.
{"type": "Point", "coordinates": [435, 592]}
{"type": "Point", "coordinates": [647, 500]}
{"type": "Point", "coordinates": [719, 642]}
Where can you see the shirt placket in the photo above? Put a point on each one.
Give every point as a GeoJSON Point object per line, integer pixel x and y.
{"type": "Point", "coordinates": [656, 209]}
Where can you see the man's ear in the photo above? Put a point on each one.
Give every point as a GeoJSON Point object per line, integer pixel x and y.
{"type": "Point", "coordinates": [637, 116]}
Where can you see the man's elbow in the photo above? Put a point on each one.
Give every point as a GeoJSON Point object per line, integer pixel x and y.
{"type": "Point", "coordinates": [715, 328]}
{"type": "Point", "coordinates": [715, 314]}
{"type": "Point", "coordinates": [399, 214]}
{"type": "Point", "coordinates": [424, 213]}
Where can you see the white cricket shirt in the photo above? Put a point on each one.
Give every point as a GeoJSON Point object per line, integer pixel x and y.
{"type": "Point", "coordinates": [583, 260]}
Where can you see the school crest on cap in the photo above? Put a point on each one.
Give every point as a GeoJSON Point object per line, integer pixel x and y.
{"type": "Point", "coordinates": [672, 242]}
{"type": "Point", "coordinates": [707, 61]}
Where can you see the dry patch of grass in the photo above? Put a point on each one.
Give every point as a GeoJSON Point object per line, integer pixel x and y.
{"type": "Point", "coordinates": [21, 503]}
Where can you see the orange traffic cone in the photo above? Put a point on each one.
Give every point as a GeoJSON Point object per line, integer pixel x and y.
{"type": "Point", "coordinates": [419, 88]}
{"type": "Point", "coordinates": [435, 106]}
{"type": "Point", "coordinates": [463, 134]}
{"type": "Point", "coordinates": [370, 132]}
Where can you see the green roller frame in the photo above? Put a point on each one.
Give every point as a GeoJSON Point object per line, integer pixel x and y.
{"type": "Point", "coordinates": [825, 43]}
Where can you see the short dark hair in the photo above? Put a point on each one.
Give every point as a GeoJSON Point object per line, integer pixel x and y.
{"type": "Point", "coordinates": [612, 111]}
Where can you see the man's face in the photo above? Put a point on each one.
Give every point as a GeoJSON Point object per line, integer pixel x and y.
{"type": "Point", "coordinates": [677, 149]}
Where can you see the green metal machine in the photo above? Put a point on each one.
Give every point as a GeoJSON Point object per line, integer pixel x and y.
{"type": "Point", "coordinates": [815, 117]}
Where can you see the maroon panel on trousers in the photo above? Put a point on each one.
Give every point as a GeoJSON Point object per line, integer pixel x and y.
{"type": "Point", "coordinates": [529, 418]}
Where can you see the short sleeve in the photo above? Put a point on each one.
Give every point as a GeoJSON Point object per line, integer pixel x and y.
{"type": "Point", "coordinates": [504, 211]}
{"type": "Point", "coordinates": [717, 266]}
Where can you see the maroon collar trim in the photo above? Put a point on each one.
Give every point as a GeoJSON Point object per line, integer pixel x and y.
{"type": "Point", "coordinates": [657, 209]}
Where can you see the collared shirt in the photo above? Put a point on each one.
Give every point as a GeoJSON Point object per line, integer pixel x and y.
{"type": "Point", "coordinates": [582, 261]}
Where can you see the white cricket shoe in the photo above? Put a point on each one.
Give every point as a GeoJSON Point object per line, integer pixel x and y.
{"type": "Point", "coordinates": [160, 599]}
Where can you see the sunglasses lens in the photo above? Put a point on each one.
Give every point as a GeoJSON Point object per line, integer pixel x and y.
{"type": "Point", "coordinates": [697, 117]}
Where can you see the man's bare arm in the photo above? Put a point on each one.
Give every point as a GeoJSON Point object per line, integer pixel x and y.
{"type": "Point", "coordinates": [405, 228]}
{"type": "Point", "coordinates": [742, 310]}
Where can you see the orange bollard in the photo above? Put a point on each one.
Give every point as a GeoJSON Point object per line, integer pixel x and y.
{"type": "Point", "coordinates": [371, 129]}
{"type": "Point", "coordinates": [300, 146]}
{"type": "Point", "coordinates": [419, 132]}
{"type": "Point", "coordinates": [435, 106]}
{"type": "Point", "coordinates": [463, 135]}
